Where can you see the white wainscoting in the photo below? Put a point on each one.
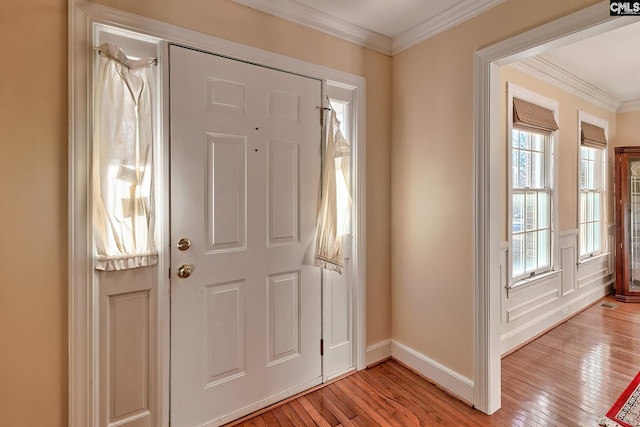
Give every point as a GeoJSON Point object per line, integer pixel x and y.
{"type": "Point", "coordinates": [531, 308]}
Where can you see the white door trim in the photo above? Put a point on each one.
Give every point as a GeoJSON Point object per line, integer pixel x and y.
{"type": "Point", "coordinates": [83, 395]}
{"type": "Point", "coordinates": [585, 23]}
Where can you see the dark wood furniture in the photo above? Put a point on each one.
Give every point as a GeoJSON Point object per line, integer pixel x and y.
{"type": "Point", "coordinates": [627, 212]}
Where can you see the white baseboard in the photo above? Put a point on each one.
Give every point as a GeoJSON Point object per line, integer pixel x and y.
{"type": "Point", "coordinates": [444, 377]}
{"type": "Point", "coordinates": [378, 352]}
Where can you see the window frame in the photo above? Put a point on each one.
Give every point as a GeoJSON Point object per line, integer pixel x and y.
{"type": "Point", "coordinates": [515, 91]}
{"type": "Point", "coordinates": [601, 176]}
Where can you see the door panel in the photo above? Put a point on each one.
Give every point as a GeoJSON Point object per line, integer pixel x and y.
{"type": "Point", "coordinates": [226, 192]}
{"type": "Point", "coordinates": [245, 170]}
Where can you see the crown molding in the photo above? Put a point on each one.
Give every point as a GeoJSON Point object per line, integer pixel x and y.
{"type": "Point", "coordinates": [548, 72]}
{"type": "Point", "coordinates": [312, 18]}
{"type": "Point", "coordinates": [465, 9]}
{"type": "Point", "coordinates": [318, 20]}
{"type": "Point", "coordinates": [627, 106]}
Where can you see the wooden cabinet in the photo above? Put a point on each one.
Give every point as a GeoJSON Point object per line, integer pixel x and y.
{"type": "Point", "coordinates": [627, 211]}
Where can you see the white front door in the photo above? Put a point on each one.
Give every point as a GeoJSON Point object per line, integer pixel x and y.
{"type": "Point", "coordinates": [245, 168]}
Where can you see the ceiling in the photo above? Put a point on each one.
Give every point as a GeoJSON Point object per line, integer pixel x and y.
{"type": "Point", "coordinates": [604, 69]}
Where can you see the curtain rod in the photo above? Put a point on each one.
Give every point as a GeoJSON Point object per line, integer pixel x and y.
{"type": "Point", "coordinates": [125, 62]}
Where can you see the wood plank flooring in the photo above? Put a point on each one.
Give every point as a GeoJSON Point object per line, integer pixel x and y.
{"type": "Point", "coordinates": [568, 377]}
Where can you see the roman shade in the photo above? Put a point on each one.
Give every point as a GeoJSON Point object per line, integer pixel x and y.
{"type": "Point", "coordinates": [533, 118]}
{"type": "Point", "coordinates": [592, 136]}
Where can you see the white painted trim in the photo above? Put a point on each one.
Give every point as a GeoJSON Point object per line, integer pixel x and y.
{"type": "Point", "coordinates": [628, 106]}
{"type": "Point", "coordinates": [80, 334]}
{"type": "Point", "coordinates": [378, 352]}
{"type": "Point", "coordinates": [451, 17]}
{"type": "Point", "coordinates": [546, 71]}
{"type": "Point", "coordinates": [164, 254]}
{"type": "Point", "coordinates": [487, 292]}
{"type": "Point", "coordinates": [82, 400]}
{"type": "Point", "coordinates": [446, 378]}
{"type": "Point", "coordinates": [318, 20]}
{"type": "Point", "coordinates": [526, 284]}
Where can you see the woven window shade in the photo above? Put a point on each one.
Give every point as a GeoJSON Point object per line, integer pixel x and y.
{"type": "Point", "coordinates": [532, 117]}
{"type": "Point", "coordinates": [593, 136]}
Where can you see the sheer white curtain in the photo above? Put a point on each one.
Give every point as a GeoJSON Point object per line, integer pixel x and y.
{"type": "Point", "coordinates": [123, 205]}
{"type": "Point", "coordinates": [335, 203]}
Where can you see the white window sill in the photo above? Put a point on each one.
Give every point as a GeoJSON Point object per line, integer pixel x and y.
{"type": "Point", "coordinates": [592, 259]}
{"type": "Point", "coordinates": [532, 280]}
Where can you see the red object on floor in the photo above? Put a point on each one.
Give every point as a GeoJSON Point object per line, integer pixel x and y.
{"type": "Point", "coordinates": [626, 410]}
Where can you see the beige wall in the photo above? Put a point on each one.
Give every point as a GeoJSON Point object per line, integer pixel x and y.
{"type": "Point", "coordinates": [566, 145]}
{"type": "Point", "coordinates": [432, 180]}
{"type": "Point", "coordinates": [33, 213]}
{"type": "Point", "coordinates": [628, 129]}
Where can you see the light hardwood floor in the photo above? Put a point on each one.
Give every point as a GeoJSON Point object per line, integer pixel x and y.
{"type": "Point", "coordinates": [568, 377]}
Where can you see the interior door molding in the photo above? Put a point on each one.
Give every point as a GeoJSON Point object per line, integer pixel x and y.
{"type": "Point", "coordinates": [585, 23]}
{"type": "Point", "coordinates": [83, 390]}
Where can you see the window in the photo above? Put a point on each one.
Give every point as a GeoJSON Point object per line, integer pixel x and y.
{"type": "Point", "coordinates": [591, 183]}
{"type": "Point", "coordinates": [531, 183]}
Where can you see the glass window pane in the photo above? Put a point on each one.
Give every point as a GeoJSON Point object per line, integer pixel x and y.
{"type": "Point", "coordinates": [518, 213]}
{"type": "Point", "coordinates": [518, 258]}
{"type": "Point", "coordinates": [537, 142]}
{"type": "Point", "coordinates": [583, 174]}
{"type": "Point", "coordinates": [531, 216]}
{"type": "Point", "coordinates": [515, 169]}
{"type": "Point", "coordinates": [597, 237]}
{"type": "Point", "coordinates": [583, 239]}
{"type": "Point", "coordinates": [524, 140]}
{"type": "Point", "coordinates": [537, 170]}
{"type": "Point", "coordinates": [531, 252]}
{"type": "Point", "coordinates": [515, 137]}
{"type": "Point", "coordinates": [583, 206]}
{"type": "Point", "coordinates": [544, 211]}
{"type": "Point", "coordinates": [588, 207]}
{"type": "Point", "coordinates": [544, 249]}
{"type": "Point", "coordinates": [589, 237]}
{"type": "Point", "coordinates": [597, 207]}
{"type": "Point", "coordinates": [525, 169]}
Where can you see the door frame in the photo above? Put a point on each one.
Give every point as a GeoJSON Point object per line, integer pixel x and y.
{"type": "Point", "coordinates": [83, 332]}
{"type": "Point", "coordinates": [587, 22]}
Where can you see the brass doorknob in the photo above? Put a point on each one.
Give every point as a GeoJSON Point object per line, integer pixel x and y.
{"type": "Point", "coordinates": [184, 244]}
{"type": "Point", "coordinates": [184, 271]}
